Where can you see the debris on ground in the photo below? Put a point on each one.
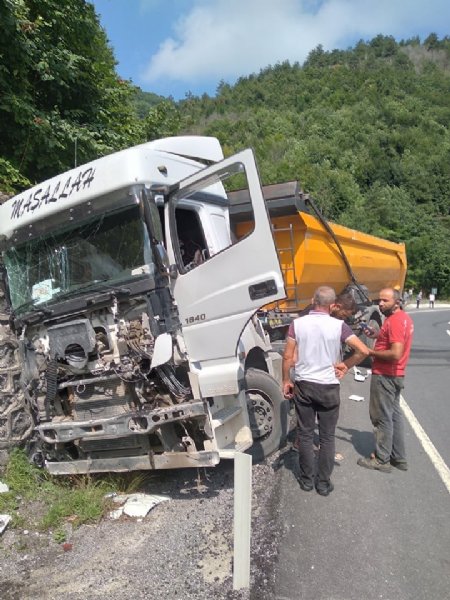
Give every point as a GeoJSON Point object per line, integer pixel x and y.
{"type": "Point", "coordinates": [135, 505]}
{"type": "Point", "coordinates": [356, 398]}
{"type": "Point", "coordinates": [359, 375]}
{"type": "Point", "coordinates": [4, 520]}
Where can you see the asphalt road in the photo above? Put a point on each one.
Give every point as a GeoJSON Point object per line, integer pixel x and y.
{"type": "Point", "coordinates": [428, 392]}
{"type": "Point", "coordinates": [377, 536]}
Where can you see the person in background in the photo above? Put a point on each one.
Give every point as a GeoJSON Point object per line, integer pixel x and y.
{"type": "Point", "coordinates": [390, 357]}
{"type": "Point", "coordinates": [418, 299]}
{"type": "Point", "coordinates": [314, 341]}
{"type": "Point", "coordinates": [431, 299]}
{"type": "Point", "coordinates": [343, 307]}
{"type": "Point", "coordinates": [405, 298]}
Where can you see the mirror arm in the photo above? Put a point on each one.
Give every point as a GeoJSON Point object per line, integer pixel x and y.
{"type": "Point", "coordinates": [145, 213]}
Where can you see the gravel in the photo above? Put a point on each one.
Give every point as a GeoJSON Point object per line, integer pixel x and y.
{"type": "Point", "coordinates": [183, 548]}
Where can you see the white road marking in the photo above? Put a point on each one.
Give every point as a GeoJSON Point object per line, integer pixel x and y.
{"type": "Point", "coordinates": [427, 444]}
{"type": "Point", "coordinates": [448, 331]}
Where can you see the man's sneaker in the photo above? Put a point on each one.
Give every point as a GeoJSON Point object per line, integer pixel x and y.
{"type": "Point", "coordinates": [399, 464]}
{"type": "Point", "coordinates": [373, 463]}
{"type": "Point", "coordinates": [325, 491]}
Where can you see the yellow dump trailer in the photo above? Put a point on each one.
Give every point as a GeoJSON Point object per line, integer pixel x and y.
{"type": "Point", "coordinates": [313, 252]}
{"type": "Point", "coordinates": [309, 257]}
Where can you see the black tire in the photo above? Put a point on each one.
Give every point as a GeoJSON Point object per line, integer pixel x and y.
{"type": "Point", "coordinates": [268, 412]}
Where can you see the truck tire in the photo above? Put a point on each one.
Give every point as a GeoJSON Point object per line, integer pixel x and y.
{"type": "Point", "coordinates": [268, 412]}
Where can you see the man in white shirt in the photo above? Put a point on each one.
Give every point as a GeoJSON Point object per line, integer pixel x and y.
{"type": "Point", "coordinates": [316, 340]}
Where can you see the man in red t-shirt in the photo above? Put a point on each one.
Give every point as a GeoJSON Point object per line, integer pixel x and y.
{"type": "Point", "coordinates": [390, 356]}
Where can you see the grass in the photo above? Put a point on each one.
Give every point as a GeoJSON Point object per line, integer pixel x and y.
{"type": "Point", "coordinates": [37, 499]}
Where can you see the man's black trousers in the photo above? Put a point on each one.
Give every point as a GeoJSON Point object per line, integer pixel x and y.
{"type": "Point", "coordinates": [323, 400]}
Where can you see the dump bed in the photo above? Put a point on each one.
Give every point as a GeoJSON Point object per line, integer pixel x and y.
{"type": "Point", "coordinates": [309, 256]}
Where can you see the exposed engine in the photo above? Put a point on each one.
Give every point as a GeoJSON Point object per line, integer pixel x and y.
{"type": "Point", "coordinates": [95, 395]}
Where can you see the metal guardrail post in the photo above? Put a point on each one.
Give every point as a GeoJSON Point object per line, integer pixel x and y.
{"type": "Point", "coordinates": [242, 519]}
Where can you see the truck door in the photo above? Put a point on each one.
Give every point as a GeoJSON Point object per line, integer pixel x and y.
{"type": "Point", "coordinates": [225, 284]}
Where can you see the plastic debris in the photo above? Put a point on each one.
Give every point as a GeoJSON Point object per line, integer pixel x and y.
{"type": "Point", "coordinates": [359, 376]}
{"type": "Point", "coordinates": [135, 505]}
{"type": "Point", "coordinates": [4, 520]}
{"type": "Point", "coordinates": [138, 505]}
{"type": "Point", "coordinates": [356, 398]}
{"type": "Point", "coordinates": [120, 498]}
{"type": "Point", "coordinates": [3, 488]}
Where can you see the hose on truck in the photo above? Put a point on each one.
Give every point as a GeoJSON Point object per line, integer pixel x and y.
{"type": "Point", "coordinates": [324, 222]}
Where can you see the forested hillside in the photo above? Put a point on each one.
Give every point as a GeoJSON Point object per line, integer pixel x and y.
{"type": "Point", "coordinates": [365, 130]}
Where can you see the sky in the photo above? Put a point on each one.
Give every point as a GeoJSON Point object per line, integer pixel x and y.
{"type": "Point", "coordinates": [175, 47]}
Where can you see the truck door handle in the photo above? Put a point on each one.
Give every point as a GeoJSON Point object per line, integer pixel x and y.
{"type": "Point", "coordinates": [263, 289]}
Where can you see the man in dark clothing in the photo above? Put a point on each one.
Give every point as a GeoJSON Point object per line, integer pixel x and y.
{"type": "Point", "coordinates": [390, 354]}
{"type": "Point", "coordinates": [314, 344]}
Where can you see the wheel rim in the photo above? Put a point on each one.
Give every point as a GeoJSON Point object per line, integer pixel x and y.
{"type": "Point", "coordinates": [261, 415]}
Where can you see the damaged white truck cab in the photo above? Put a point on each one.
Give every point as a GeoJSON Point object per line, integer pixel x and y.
{"type": "Point", "coordinates": [133, 305]}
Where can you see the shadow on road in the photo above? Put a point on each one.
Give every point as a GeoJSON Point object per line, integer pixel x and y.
{"type": "Point", "coordinates": [288, 459]}
{"type": "Point", "coordinates": [362, 441]}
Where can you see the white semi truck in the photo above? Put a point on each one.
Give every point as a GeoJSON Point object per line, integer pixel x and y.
{"type": "Point", "coordinates": [134, 309]}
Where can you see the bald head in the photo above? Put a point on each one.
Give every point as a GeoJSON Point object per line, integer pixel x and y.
{"type": "Point", "coordinates": [392, 292]}
{"type": "Point", "coordinates": [324, 297]}
{"type": "Point", "coordinates": [389, 301]}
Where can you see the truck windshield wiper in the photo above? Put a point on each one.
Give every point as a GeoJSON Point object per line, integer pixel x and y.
{"type": "Point", "coordinates": [111, 287]}
{"type": "Point", "coordinates": [29, 310]}
{"type": "Point", "coordinates": [98, 286]}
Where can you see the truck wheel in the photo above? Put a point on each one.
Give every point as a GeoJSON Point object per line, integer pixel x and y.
{"type": "Point", "coordinates": [268, 412]}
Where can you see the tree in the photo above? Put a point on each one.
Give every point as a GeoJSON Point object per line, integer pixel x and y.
{"type": "Point", "coordinates": [59, 88]}
{"type": "Point", "coordinates": [366, 131]}
{"type": "Point", "coordinates": [162, 120]}
{"type": "Point", "coordinates": [431, 42]}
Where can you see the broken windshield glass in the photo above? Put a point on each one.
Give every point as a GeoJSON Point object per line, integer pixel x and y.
{"type": "Point", "coordinates": [110, 248]}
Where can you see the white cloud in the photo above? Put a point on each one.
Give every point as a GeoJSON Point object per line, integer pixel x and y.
{"type": "Point", "coordinates": [224, 39]}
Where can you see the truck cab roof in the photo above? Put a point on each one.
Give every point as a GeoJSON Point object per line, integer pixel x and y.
{"type": "Point", "coordinates": [165, 161]}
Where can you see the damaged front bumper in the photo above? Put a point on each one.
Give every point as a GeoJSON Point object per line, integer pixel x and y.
{"type": "Point", "coordinates": [130, 423]}
{"type": "Point", "coordinates": [143, 423]}
{"type": "Point", "coordinates": [168, 460]}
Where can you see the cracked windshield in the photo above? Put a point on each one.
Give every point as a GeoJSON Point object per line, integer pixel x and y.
{"type": "Point", "coordinates": [111, 248]}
